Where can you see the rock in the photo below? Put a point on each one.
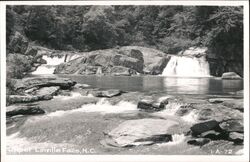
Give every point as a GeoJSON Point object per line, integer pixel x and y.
{"type": "Point", "coordinates": [26, 98]}
{"type": "Point", "coordinates": [28, 83]}
{"type": "Point", "coordinates": [221, 147]}
{"type": "Point", "coordinates": [32, 51]}
{"type": "Point", "coordinates": [199, 141]}
{"type": "Point", "coordinates": [212, 134]}
{"type": "Point", "coordinates": [18, 43]}
{"type": "Point", "coordinates": [46, 92]}
{"type": "Point", "coordinates": [232, 126]}
{"type": "Point", "coordinates": [150, 105]}
{"type": "Point", "coordinates": [122, 71]}
{"type": "Point", "coordinates": [24, 110]}
{"type": "Point", "coordinates": [125, 61]}
{"type": "Point", "coordinates": [230, 75]}
{"type": "Point", "coordinates": [234, 104]}
{"type": "Point", "coordinates": [205, 114]}
{"type": "Point", "coordinates": [142, 132]}
{"type": "Point", "coordinates": [236, 137]}
{"type": "Point", "coordinates": [157, 67]}
{"type": "Point", "coordinates": [199, 128]}
{"type": "Point", "coordinates": [107, 93]}
{"type": "Point", "coordinates": [183, 110]}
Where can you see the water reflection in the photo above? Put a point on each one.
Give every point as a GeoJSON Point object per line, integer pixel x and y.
{"type": "Point", "coordinates": [171, 85]}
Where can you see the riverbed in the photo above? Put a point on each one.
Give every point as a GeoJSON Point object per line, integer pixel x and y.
{"type": "Point", "coordinates": [79, 123]}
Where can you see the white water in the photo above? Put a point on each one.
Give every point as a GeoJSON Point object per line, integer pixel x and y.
{"type": "Point", "coordinates": [176, 139]}
{"type": "Point", "coordinates": [187, 67]}
{"type": "Point", "coordinates": [50, 66]}
{"type": "Point", "coordinates": [52, 62]}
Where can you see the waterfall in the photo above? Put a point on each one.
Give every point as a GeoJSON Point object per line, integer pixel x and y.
{"type": "Point", "coordinates": [187, 67]}
{"type": "Point", "coordinates": [50, 66]}
{"type": "Point", "coordinates": [52, 62]}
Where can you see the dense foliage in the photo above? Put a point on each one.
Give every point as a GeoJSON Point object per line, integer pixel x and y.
{"type": "Point", "coordinates": [168, 28]}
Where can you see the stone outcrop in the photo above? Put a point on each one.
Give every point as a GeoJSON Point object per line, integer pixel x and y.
{"type": "Point", "coordinates": [125, 61]}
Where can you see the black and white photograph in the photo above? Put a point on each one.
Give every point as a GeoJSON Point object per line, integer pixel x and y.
{"type": "Point", "coordinates": [125, 79]}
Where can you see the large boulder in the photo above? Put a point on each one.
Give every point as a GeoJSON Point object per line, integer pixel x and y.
{"type": "Point", "coordinates": [142, 132]}
{"type": "Point", "coordinates": [23, 110]}
{"type": "Point", "coordinates": [230, 75]}
{"type": "Point", "coordinates": [11, 99]}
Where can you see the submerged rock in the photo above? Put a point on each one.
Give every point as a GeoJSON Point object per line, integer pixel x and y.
{"type": "Point", "coordinates": [199, 141]}
{"type": "Point", "coordinates": [230, 75]}
{"type": "Point", "coordinates": [23, 110]}
{"type": "Point", "coordinates": [142, 132]}
{"type": "Point", "coordinates": [199, 128]}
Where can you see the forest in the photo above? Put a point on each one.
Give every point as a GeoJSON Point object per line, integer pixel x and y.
{"type": "Point", "coordinates": [167, 28]}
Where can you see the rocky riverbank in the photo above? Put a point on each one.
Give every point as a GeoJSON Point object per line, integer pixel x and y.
{"type": "Point", "coordinates": [114, 121]}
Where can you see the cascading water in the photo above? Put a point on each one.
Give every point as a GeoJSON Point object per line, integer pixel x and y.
{"type": "Point", "coordinates": [187, 67]}
{"type": "Point", "coordinates": [52, 62]}
{"type": "Point", "coordinates": [49, 67]}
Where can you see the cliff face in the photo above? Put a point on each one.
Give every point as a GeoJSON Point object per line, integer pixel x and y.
{"type": "Point", "coordinates": [129, 60]}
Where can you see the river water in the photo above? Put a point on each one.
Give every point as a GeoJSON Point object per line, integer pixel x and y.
{"type": "Point", "coordinates": [170, 85]}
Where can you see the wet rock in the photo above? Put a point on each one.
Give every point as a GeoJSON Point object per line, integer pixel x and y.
{"type": "Point", "coordinates": [232, 126]}
{"type": "Point", "coordinates": [183, 110]}
{"type": "Point", "coordinates": [199, 141]}
{"type": "Point", "coordinates": [150, 105]}
{"type": "Point", "coordinates": [142, 132]}
{"type": "Point", "coordinates": [24, 110]}
{"type": "Point", "coordinates": [236, 137]}
{"type": "Point", "coordinates": [230, 75]}
{"type": "Point", "coordinates": [107, 93]}
{"type": "Point", "coordinates": [212, 134]}
{"type": "Point", "coordinates": [199, 128]}
{"type": "Point", "coordinates": [205, 114]}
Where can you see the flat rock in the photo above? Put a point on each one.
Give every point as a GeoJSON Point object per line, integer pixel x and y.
{"type": "Point", "coordinates": [142, 132]}
{"type": "Point", "coordinates": [23, 110]}
{"type": "Point", "coordinates": [230, 75]}
{"type": "Point", "coordinates": [26, 98]}
{"type": "Point", "coordinates": [28, 83]}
